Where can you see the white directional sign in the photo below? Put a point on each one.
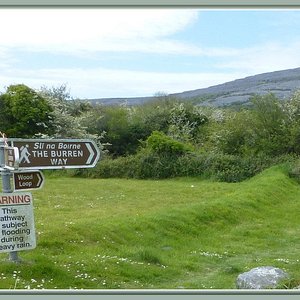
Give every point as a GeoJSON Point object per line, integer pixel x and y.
{"type": "Point", "coordinates": [17, 230]}
{"type": "Point", "coordinates": [56, 154]}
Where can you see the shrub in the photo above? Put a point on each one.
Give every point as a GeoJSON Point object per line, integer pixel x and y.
{"type": "Point", "coordinates": [151, 165]}
{"type": "Point", "coordinates": [161, 143]}
{"type": "Point", "coordinates": [122, 167]}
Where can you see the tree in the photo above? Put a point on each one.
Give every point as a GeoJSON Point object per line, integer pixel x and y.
{"type": "Point", "coordinates": [292, 110]}
{"type": "Point", "coordinates": [24, 112]}
{"type": "Point", "coordinates": [184, 121]}
{"type": "Point", "coordinates": [233, 135]}
{"type": "Point", "coordinates": [66, 113]}
{"type": "Point", "coordinates": [114, 121]}
{"type": "Point", "coordinates": [270, 125]}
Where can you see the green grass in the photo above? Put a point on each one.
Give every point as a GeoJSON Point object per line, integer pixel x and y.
{"type": "Point", "coordinates": [140, 234]}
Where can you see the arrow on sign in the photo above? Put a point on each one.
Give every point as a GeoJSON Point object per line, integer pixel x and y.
{"type": "Point", "coordinates": [92, 153]}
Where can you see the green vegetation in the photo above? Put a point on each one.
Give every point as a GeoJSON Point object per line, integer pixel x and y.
{"type": "Point", "coordinates": [174, 233]}
{"type": "Point", "coordinates": [227, 199]}
{"type": "Point", "coordinates": [163, 138]}
{"type": "Point", "coordinates": [23, 112]}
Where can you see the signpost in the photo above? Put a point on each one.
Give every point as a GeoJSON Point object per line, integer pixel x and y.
{"type": "Point", "coordinates": [56, 154]}
{"type": "Point", "coordinates": [22, 159]}
{"type": "Point", "coordinates": [28, 180]}
{"type": "Point", "coordinates": [11, 157]}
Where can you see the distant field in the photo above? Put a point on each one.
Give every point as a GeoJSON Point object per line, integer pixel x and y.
{"type": "Point", "coordinates": [166, 234]}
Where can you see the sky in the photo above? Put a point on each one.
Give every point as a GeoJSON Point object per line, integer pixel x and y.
{"type": "Point", "coordinates": [134, 52]}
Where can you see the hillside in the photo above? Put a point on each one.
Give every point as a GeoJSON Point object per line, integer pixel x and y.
{"type": "Point", "coordinates": [282, 83]}
{"type": "Point", "coordinates": [119, 234]}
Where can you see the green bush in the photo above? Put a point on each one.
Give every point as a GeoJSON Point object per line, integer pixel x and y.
{"type": "Point", "coordinates": [151, 165]}
{"type": "Point", "coordinates": [161, 143]}
{"type": "Point", "coordinates": [155, 165]}
{"type": "Point", "coordinates": [122, 167]}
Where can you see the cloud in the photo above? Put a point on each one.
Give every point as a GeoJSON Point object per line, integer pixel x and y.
{"type": "Point", "coordinates": [71, 30]}
{"type": "Point", "coordinates": [95, 32]}
{"type": "Point", "coordinates": [107, 83]}
{"type": "Point", "coordinates": [101, 82]}
{"type": "Point", "coordinates": [82, 31]}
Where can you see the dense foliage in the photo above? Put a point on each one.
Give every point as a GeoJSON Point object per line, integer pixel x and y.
{"type": "Point", "coordinates": [164, 137]}
{"type": "Point", "coordinates": [24, 112]}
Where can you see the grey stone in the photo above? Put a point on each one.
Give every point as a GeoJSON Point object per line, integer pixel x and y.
{"type": "Point", "coordinates": [261, 278]}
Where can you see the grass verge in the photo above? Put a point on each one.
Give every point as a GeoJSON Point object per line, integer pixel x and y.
{"type": "Point", "coordinates": [164, 234]}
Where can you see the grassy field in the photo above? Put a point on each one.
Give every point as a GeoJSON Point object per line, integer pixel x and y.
{"type": "Point", "coordinates": [167, 234]}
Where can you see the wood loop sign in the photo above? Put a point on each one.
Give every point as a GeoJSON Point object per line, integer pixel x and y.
{"type": "Point", "coordinates": [28, 180]}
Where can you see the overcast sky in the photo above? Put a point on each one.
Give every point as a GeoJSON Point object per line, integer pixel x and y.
{"type": "Point", "coordinates": [100, 53]}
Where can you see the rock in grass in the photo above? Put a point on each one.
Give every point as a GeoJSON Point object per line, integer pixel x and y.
{"type": "Point", "coordinates": [261, 278]}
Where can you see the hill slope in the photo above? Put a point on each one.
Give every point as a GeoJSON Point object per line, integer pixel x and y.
{"type": "Point", "coordinates": [140, 234]}
{"type": "Point", "coordinates": [282, 83]}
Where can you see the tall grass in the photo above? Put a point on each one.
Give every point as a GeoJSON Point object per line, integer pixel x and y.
{"type": "Point", "coordinates": [175, 233]}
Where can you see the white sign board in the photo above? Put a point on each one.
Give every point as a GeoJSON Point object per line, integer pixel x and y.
{"type": "Point", "coordinates": [17, 230]}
